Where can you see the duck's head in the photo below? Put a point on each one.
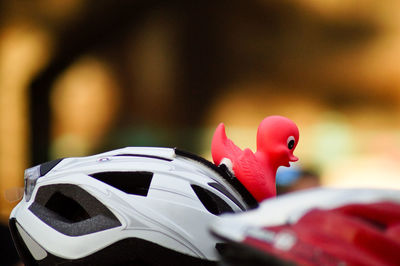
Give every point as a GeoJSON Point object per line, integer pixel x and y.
{"type": "Point", "coordinates": [277, 137]}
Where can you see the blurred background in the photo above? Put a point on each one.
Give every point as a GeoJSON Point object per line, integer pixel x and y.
{"type": "Point", "coordinates": [79, 77]}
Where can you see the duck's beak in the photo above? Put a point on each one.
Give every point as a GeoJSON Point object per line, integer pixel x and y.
{"type": "Point", "coordinates": [293, 158]}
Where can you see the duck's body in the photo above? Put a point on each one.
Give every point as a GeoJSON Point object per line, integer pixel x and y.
{"type": "Point", "coordinates": [277, 137]}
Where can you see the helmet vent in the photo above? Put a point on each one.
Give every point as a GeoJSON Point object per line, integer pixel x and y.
{"type": "Point", "coordinates": [71, 210]}
{"type": "Point", "coordinates": [224, 191]}
{"type": "Point", "coordinates": [213, 203]}
{"type": "Point", "coordinates": [66, 208]}
{"type": "Point", "coordinates": [225, 174]}
{"type": "Point", "coordinates": [136, 183]}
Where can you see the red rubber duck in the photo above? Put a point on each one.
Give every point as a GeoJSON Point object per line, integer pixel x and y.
{"type": "Point", "coordinates": [277, 137]}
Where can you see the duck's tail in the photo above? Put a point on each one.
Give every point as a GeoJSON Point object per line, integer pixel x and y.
{"type": "Point", "coordinates": [222, 147]}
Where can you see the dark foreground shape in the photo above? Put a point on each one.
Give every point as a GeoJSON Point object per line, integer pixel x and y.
{"type": "Point", "coordinates": [130, 251]}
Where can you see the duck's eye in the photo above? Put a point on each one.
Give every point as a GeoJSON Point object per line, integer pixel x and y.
{"type": "Point", "coordinates": [290, 142]}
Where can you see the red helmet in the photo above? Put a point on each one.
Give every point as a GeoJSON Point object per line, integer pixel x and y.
{"type": "Point", "coordinates": [317, 227]}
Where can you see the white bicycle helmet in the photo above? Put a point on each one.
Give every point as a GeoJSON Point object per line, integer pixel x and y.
{"type": "Point", "coordinates": [136, 205]}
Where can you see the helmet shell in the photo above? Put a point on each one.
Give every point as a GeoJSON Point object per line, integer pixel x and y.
{"type": "Point", "coordinates": [122, 206]}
